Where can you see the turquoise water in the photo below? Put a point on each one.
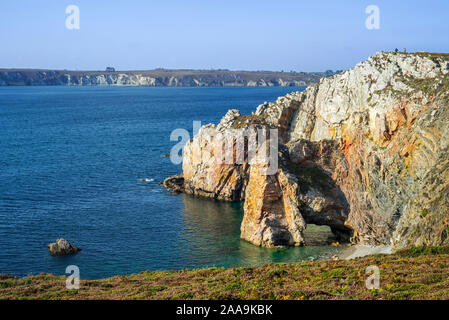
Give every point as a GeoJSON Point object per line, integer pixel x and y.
{"type": "Point", "coordinates": [71, 161]}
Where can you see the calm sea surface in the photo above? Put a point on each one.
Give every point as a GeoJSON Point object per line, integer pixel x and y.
{"type": "Point", "coordinates": [71, 160]}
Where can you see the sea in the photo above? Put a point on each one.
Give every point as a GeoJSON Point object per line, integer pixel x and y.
{"type": "Point", "coordinates": [72, 160]}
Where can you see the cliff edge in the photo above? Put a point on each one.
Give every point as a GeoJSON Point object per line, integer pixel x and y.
{"type": "Point", "coordinates": [364, 152]}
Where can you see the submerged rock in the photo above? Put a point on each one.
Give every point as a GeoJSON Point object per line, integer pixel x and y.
{"type": "Point", "coordinates": [365, 152]}
{"type": "Point", "coordinates": [62, 247]}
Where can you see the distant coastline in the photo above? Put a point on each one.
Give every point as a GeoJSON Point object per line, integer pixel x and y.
{"type": "Point", "coordinates": [159, 78]}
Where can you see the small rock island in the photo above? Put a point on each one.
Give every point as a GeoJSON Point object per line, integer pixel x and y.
{"type": "Point", "coordinates": [62, 248]}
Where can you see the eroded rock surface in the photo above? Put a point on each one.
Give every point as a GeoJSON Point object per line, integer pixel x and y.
{"type": "Point", "coordinates": [205, 171]}
{"type": "Point", "coordinates": [364, 152]}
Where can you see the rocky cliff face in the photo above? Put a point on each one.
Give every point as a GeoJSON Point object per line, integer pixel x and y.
{"type": "Point", "coordinates": [365, 152]}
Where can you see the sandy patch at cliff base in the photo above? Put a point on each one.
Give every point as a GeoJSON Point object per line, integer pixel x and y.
{"type": "Point", "coordinates": [358, 251]}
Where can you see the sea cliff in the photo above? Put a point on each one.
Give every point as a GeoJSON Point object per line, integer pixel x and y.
{"type": "Point", "coordinates": [364, 152]}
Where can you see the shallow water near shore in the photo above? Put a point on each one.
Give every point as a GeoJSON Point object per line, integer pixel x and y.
{"type": "Point", "coordinates": [72, 160]}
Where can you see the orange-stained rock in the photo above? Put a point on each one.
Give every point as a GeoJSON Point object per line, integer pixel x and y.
{"type": "Point", "coordinates": [272, 216]}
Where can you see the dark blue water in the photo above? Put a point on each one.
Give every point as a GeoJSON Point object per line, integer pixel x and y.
{"type": "Point", "coordinates": [71, 160]}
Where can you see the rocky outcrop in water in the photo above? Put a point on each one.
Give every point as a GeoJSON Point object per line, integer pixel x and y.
{"type": "Point", "coordinates": [206, 175]}
{"type": "Point", "coordinates": [62, 248]}
{"type": "Point", "coordinates": [364, 152]}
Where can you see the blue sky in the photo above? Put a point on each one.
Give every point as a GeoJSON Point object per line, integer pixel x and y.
{"type": "Point", "coordinates": [232, 34]}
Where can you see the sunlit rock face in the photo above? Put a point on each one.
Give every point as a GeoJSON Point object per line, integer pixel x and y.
{"type": "Point", "coordinates": [272, 215]}
{"type": "Point", "coordinates": [206, 170]}
{"type": "Point", "coordinates": [364, 151]}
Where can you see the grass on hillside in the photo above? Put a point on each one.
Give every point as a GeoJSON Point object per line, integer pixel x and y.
{"type": "Point", "coordinates": [420, 273]}
{"type": "Point", "coordinates": [430, 55]}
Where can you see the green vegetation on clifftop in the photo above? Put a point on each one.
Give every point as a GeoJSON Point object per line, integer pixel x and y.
{"type": "Point", "coordinates": [419, 273]}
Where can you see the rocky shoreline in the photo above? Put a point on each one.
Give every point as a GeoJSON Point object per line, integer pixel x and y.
{"type": "Point", "coordinates": [365, 152]}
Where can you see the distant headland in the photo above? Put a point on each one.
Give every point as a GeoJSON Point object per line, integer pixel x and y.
{"type": "Point", "coordinates": [159, 78]}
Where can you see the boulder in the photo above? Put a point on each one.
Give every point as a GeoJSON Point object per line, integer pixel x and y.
{"type": "Point", "coordinates": [62, 247]}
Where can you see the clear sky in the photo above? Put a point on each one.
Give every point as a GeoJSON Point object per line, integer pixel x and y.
{"type": "Point", "coordinates": [273, 35]}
